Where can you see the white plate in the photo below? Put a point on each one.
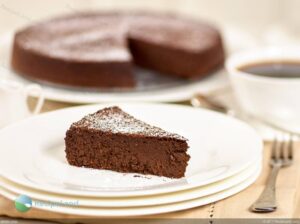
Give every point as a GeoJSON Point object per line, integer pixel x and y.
{"type": "Point", "coordinates": [136, 201]}
{"type": "Point", "coordinates": [220, 147]}
{"type": "Point", "coordinates": [138, 211]}
{"type": "Point", "coordinates": [151, 87]}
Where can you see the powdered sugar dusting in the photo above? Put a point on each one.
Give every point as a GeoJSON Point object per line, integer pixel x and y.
{"type": "Point", "coordinates": [89, 37]}
{"type": "Point", "coordinates": [113, 119]}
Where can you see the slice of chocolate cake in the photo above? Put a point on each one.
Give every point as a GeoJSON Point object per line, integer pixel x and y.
{"type": "Point", "coordinates": [114, 140]}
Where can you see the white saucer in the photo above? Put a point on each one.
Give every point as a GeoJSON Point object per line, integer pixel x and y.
{"type": "Point", "coordinates": [136, 201]}
{"type": "Point", "coordinates": [139, 211]}
{"type": "Point", "coordinates": [151, 87]}
{"type": "Point", "coordinates": [220, 147]}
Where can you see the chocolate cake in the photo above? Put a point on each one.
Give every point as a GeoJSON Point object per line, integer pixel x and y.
{"type": "Point", "coordinates": [99, 49]}
{"type": "Point", "coordinates": [114, 140]}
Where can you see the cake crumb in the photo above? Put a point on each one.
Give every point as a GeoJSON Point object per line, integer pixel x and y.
{"type": "Point", "coordinates": [139, 176]}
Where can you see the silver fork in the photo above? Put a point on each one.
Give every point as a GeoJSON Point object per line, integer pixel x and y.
{"type": "Point", "coordinates": [281, 156]}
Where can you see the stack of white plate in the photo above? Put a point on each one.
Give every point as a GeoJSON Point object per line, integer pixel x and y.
{"type": "Point", "coordinates": [226, 157]}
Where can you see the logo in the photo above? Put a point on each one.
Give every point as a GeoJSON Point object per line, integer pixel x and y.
{"type": "Point", "coordinates": [23, 203]}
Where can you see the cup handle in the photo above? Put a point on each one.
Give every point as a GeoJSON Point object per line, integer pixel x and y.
{"type": "Point", "coordinates": [34, 88]}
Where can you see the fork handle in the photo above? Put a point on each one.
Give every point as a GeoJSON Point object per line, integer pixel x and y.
{"type": "Point", "coordinates": [267, 200]}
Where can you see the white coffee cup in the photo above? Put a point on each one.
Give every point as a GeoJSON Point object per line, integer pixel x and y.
{"type": "Point", "coordinates": [273, 99]}
{"type": "Point", "coordinates": [13, 101]}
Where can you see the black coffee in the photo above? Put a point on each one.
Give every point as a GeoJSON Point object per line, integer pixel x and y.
{"type": "Point", "coordinates": [276, 69]}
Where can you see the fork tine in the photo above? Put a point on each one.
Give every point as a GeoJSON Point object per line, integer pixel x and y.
{"type": "Point", "coordinates": [274, 148]}
{"type": "Point", "coordinates": [290, 147]}
{"type": "Point", "coordinates": [282, 148]}
{"type": "Point", "coordinates": [279, 151]}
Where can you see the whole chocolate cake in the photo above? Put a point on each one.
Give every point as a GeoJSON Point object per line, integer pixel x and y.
{"type": "Point", "coordinates": [114, 140]}
{"type": "Point", "coordinates": [99, 49]}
